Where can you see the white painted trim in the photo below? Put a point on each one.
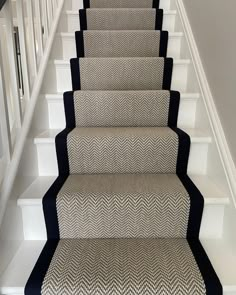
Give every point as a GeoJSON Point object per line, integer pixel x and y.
{"type": "Point", "coordinates": [14, 164]}
{"type": "Point", "coordinates": [217, 129]}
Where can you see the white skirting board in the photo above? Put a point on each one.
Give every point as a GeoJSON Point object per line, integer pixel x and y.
{"type": "Point", "coordinates": [217, 129]}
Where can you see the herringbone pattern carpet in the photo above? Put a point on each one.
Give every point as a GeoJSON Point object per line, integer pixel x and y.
{"type": "Point", "coordinates": [122, 217]}
{"type": "Point", "coordinates": [121, 19]}
{"type": "Point", "coordinates": [123, 267]}
{"type": "Point", "coordinates": [122, 73]}
{"type": "Point", "coordinates": [121, 108]}
{"type": "Point", "coordinates": [122, 150]}
{"type": "Point", "coordinates": [133, 205]}
{"type": "Point", "coordinates": [121, 4]}
{"type": "Point", "coordinates": [121, 43]}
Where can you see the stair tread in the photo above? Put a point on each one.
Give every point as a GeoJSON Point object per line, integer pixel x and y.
{"type": "Point", "coordinates": [72, 35]}
{"type": "Point", "coordinates": [121, 3]}
{"type": "Point", "coordinates": [211, 192]}
{"type": "Point", "coordinates": [197, 136]}
{"type": "Point", "coordinates": [59, 96]}
{"type": "Point", "coordinates": [66, 62]}
{"type": "Point", "coordinates": [166, 11]}
{"type": "Point", "coordinates": [16, 274]}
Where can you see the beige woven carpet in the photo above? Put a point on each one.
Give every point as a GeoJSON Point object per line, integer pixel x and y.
{"type": "Point", "coordinates": [122, 217]}
{"type": "Point", "coordinates": [118, 43]}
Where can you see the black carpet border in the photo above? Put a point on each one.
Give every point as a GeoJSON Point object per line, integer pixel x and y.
{"type": "Point", "coordinates": [50, 208]}
{"type": "Point", "coordinates": [173, 108]}
{"type": "Point", "coordinates": [167, 73]}
{"type": "Point", "coordinates": [79, 40]}
{"type": "Point", "coordinates": [159, 19]}
{"type": "Point", "coordinates": [86, 4]}
{"type": "Point", "coordinates": [212, 283]}
{"type": "Point", "coordinates": [164, 36]}
{"type": "Point", "coordinates": [49, 200]}
{"type": "Point", "coordinates": [69, 107]}
{"type": "Point", "coordinates": [183, 151]}
{"type": "Point", "coordinates": [62, 153]}
{"type": "Point", "coordinates": [75, 73]}
{"type": "Point", "coordinates": [35, 281]}
{"type": "Point", "coordinates": [83, 19]}
{"type": "Point", "coordinates": [156, 4]}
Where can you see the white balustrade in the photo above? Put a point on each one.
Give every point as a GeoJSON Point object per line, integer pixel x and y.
{"type": "Point", "coordinates": [25, 30]}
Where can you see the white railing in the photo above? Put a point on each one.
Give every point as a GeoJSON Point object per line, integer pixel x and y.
{"type": "Point", "coordinates": [27, 29]}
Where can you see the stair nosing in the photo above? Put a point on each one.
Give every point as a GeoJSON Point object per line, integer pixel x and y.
{"type": "Point", "coordinates": [63, 62]}
{"type": "Point", "coordinates": [59, 96]}
{"type": "Point", "coordinates": [37, 201]}
{"type": "Point", "coordinates": [40, 139]}
{"type": "Point", "coordinates": [165, 11]}
{"type": "Point", "coordinates": [72, 35]}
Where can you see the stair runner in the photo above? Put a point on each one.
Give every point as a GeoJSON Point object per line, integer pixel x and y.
{"type": "Point", "coordinates": [122, 217]}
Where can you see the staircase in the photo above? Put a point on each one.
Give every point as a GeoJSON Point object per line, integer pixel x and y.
{"type": "Point", "coordinates": [141, 187]}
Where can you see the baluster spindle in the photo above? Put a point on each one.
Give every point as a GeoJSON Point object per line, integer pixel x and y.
{"type": "Point", "coordinates": [4, 114]}
{"type": "Point", "coordinates": [12, 60]}
{"type": "Point", "coordinates": [32, 47]}
{"type": "Point", "coordinates": [49, 12]}
{"type": "Point", "coordinates": [22, 39]}
{"type": "Point", "coordinates": [45, 18]}
{"type": "Point", "coordinates": [39, 29]}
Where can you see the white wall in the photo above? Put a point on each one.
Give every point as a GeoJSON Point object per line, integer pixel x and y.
{"type": "Point", "coordinates": [214, 26]}
{"type": "Point", "coordinates": [1, 145]}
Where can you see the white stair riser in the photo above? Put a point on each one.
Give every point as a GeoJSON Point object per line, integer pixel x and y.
{"type": "Point", "coordinates": [174, 46]}
{"type": "Point", "coordinates": [47, 161]}
{"type": "Point", "coordinates": [186, 118]}
{"type": "Point", "coordinates": [58, 77]}
{"type": "Point", "coordinates": [169, 22]}
{"type": "Point", "coordinates": [187, 113]}
{"type": "Point", "coordinates": [34, 224]}
{"type": "Point", "coordinates": [70, 22]}
{"type": "Point", "coordinates": [64, 47]}
{"type": "Point", "coordinates": [56, 114]}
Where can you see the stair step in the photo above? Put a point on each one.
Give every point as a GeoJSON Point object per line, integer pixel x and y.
{"type": "Point", "coordinates": [123, 150]}
{"type": "Point", "coordinates": [129, 205]}
{"type": "Point", "coordinates": [47, 161]}
{"type": "Point", "coordinates": [128, 73]}
{"type": "Point", "coordinates": [58, 76]}
{"type": "Point", "coordinates": [121, 43]}
{"type": "Point", "coordinates": [121, 19]}
{"type": "Point", "coordinates": [122, 4]}
{"type": "Point", "coordinates": [70, 21]}
{"type": "Point", "coordinates": [65, 48]}
{"type": "Point", "coordinates": [77, 4]}
{"type": "Point", "coordinates": [212, 194]}
{"type": "Point", "coordinates": [186, 118]}
{"type": "Point", "coordinates": [33, 219]}
{"type": "Point", "coordinates": [13, 280]}
{"type": "Point", "coordinates": [92, 263]}
{"type": "Point", "coordinates": [122, 108]}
